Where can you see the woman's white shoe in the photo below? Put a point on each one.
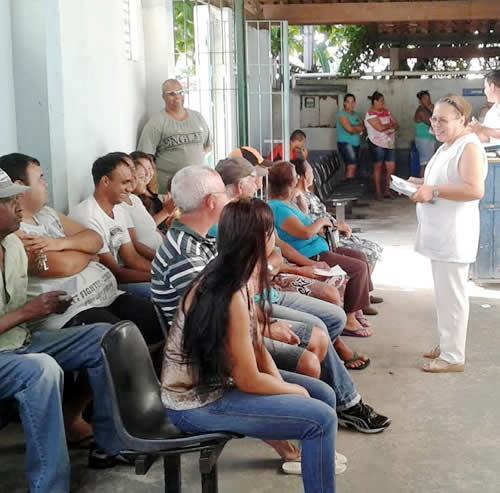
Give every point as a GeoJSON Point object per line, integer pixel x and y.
{"type": "Point", "coordinates": [294, 466]}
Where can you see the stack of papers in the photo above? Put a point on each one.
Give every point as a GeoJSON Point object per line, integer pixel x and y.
{"type": "Point", "coordinates": [403, 187]}
{"type": "Point", "coordinates": [335, 276]}
{"type": "Point", "coordinates": [333, 271]}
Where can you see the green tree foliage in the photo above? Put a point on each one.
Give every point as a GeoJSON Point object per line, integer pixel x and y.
{"type": "Point", "coordinates": [353, 43]}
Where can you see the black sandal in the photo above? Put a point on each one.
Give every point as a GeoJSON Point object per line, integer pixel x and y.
{"type": "Point", "coordinates": [357, 357]}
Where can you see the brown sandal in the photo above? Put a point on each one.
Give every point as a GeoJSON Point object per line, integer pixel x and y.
{"type": "Point", "coordinates": [357, 357]}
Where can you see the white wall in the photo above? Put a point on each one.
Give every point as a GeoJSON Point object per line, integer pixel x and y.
{"type": "Point", "coordinates": [262, 106]}
{"type": "Point", "coordinates": [399, 97]}
{"type": "Point", "coordinates": [29, 36]}
{"type": "Point", "coordinates": [104, 93]}
{"type": "Point", "coordinates": [80, 88]}
{"type": "Point", "coordinates": [158, 49]}
{"type": "Point", "coordinates": [8, 133]}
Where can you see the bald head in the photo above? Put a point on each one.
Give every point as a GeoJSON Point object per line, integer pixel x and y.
{"type": "Point", "coordinates": [173, 95]}
{"type": "Point", "coordinates": [171, 85]}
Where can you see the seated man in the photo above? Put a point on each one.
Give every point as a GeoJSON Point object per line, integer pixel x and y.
{"type": "Point", "coordinates": [31, 363]}
{"type": "Point", "coordinates": [100, 212]}
{"type": "Point", "coordinates": [187, 250]}
{"type": "Point", "coordinates": [69, 252]}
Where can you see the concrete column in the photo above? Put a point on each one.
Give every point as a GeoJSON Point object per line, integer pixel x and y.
{"type": "Point", "coordinates": [159, 48]}
{"type": "Point", "coordinates": [394, 58]}
{"type": "Point", "coordinates": [36, 47]}
{"type": "Point", "coordinates": [8, 133]}
{"type": "Point", "coordinates": [308, 34]}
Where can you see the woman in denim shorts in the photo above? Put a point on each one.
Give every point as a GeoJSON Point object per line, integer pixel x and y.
{"type": "Point", "coordinates": [349, 129]}
{"type": "Point", "coordinates": [381, 127]}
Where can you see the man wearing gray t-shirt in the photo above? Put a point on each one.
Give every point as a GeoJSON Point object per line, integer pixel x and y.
{"type": "Point", "coordinates": [177, 136]}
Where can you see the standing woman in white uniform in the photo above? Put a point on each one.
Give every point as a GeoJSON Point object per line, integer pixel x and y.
{"type": "Point", "coordinates": [448, 225]}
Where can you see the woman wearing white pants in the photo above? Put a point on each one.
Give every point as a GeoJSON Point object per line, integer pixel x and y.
{"type": "Point", "coordinates": [448, 225]}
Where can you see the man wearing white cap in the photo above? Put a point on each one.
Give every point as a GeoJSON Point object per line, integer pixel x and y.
{"type": "Point", "coordinates": [32, 363]}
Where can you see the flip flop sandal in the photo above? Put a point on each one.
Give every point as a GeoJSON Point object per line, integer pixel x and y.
{"type": "Point", "coordinates": [363, 321]}
{"type": "Point", "coordinates": [356, 357]}
{"type": "Point", "coordinates": [82, 444]}
{"type": "Point", "coordinates": [364, 332]}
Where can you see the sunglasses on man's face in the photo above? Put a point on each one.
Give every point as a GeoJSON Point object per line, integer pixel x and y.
{"type": "Point", "coordinates": [172, 94]}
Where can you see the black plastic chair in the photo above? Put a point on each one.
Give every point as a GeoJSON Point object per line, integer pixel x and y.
{"type": "Point", "coordinates": [161, 319]}
{"type": "Point", "coordinates": [139, 416]}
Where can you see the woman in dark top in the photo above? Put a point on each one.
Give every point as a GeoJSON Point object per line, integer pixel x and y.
{"type": "Point", "coordinates": [160, 210]}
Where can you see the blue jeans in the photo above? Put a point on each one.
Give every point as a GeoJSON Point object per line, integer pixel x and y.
{"type": "Point", "coordinates": [277, 417]}
{"type": "Point", "coordinates": [140, 289]}
{"type": "Point", "coordinates": [33, 375]}
{"type": "Point", "coordinates": [332, 319]}
{"type": "Point", "coordinates": [381, 154]}
{"type": "Point", "coordinates": [426, 149]}
{"type": "Point", "coordinates": [349, 152]}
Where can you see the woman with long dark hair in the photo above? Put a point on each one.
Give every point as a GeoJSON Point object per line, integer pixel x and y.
{"type": "Point", "coordinates": [217, 374]}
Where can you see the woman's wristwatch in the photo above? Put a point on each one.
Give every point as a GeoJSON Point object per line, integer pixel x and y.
{"type": "Point", "coordinates": [435, 193]}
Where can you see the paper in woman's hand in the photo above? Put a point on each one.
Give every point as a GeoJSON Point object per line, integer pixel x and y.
{"type": "Point", "coordinates": [403, 187]}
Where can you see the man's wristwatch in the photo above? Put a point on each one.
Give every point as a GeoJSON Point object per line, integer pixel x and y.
{"type": "Point", "coordinates": [435, 193]}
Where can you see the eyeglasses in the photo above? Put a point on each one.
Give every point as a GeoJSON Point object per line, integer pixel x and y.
{"type": "Point", "coordinates": [441, 121]}
{"type": "Point", "coordinates": [179, 92]}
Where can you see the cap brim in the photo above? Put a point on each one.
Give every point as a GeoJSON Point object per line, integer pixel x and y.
{"type": "Point", "coordinates": [266, 162]}
{"type": "Point", "coordinates": [12, 190]}
{"type": "Point", "coordinates": [260, 171]}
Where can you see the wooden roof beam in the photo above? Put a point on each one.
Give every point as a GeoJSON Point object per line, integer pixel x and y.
{"type": "Point", "coordinates": [377, 12]}
{"type": "Point", "coordinates": [442, 52]}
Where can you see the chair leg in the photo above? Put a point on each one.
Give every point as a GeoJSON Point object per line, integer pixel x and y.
{"type": "Point", "coordinates": [172, 473]}
{"type": "Point", "coordinates": [209, 482]}
{"type": "Point", "coordinates": [143, 463]}
{"type": "Point", "coordinates": [208, 469]}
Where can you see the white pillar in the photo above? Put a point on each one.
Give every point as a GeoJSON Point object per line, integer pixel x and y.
{"type": "Point", "coordinates": [159, 48]}
{"type": "Point", "coordinates": [36, 48]}
{"type": "Point", "coordinates": [8, 133]}
{"type": "Point", "coordinates": [308, 47]}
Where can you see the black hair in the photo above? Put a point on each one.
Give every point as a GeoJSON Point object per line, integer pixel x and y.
{"type": "Point", "coordinates": [349, 95]}
{"type": "Point", "coordinates": [136, 155]}
{"type": "Point", "coordinates": [493, 77]}
{"type": "Point", "coordinates": [298, 135]}
{"type": "Point", "coordinates": [16, 164]}
{"type": "Point", "coordinates": [300, 166]}
{"type": "Point", "coordinates": [421, 94]}
{"type": "Point", "coordinates": [244, 228]}
{"type": "Point", "coordinates": [104, 165]}
{"type": "Point", "coordinates": [375, 96]}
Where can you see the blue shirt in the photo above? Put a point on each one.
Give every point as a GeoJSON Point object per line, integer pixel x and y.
{"type": "Point", "coordinates": [309, 248]}
{"type": "Point", "coordinates": [342, 134]}
{"type": "Point", "coordinates": [212, 232]}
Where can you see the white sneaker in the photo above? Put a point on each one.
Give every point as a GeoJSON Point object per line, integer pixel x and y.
{"type": "Point", "coordinates": [340, 458]}
{"type": "Point", "coordinates": [294, 466]}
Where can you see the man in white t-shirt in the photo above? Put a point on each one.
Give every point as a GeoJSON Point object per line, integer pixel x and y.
{"type": "Point", "coordinates": [70, 263]}
{"type": "Point", "coordinates": [489, 131]}
{"type": "Point", "coordinates": [112, 176]}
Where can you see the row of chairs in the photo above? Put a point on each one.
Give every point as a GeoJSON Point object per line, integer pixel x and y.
{"type": "Point", "coordinates": [329, 172]}
{"type": "Point", "coordinates": [139, 415]}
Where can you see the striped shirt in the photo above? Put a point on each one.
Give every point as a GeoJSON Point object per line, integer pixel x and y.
{"type": "Point", "coordinates": [182, 256]}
